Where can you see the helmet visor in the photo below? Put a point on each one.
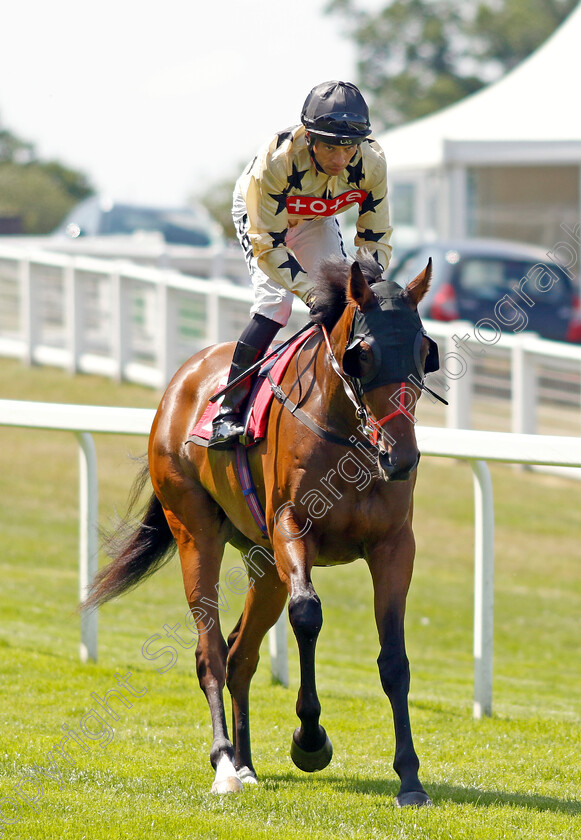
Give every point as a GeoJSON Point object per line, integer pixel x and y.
{"type": "Point", "coordinates": [340, 125]}
{"type": "Point", "coordinates": [351, 126]}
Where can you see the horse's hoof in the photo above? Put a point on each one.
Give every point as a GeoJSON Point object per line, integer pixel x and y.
{"type": "Point", "coordinates": [247, 776]}
{"type": "Point", "coordinates": [230, 784]}
{"type": "Point", "coordinates": [413, 799]}
{"type": "Point", "coordinates": [309, 762]}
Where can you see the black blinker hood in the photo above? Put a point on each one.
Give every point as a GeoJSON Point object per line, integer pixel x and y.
{"type": "Point", "coordinates": [394, 331]}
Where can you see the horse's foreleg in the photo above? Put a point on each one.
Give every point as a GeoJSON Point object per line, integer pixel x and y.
{"type": "Point", "coordinates": [264, 603]}
{"type": "Point", "coordinates": [391, 568]}
{"type": "Point", "coordinates": [310, 747]}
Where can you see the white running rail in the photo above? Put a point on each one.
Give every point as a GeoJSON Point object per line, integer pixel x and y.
{"type": "Point", "coordinates": [476, 447]}
{"type": "Point", "coordinates": [140, 323]}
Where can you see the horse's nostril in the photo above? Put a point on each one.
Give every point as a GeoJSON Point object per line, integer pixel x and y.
{"type": "Point", "coordinates": [394, 470]}
{"type": "Point", "coordinates": [385, 463]}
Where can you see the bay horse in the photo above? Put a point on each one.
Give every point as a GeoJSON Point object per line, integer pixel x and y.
{"type": "Point", "coordinates": [335, 476]}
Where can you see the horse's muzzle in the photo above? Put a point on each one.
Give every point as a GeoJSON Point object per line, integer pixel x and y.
{"type": "Point", "coordinates": [393, 469]}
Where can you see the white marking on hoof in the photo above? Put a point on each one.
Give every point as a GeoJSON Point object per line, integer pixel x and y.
{"type": "Point", "coordinates": [226, 779]}
{"type": "Point", "coordinates": [230, 785]}
{"type": "Point", "coordinates": [246, 776]}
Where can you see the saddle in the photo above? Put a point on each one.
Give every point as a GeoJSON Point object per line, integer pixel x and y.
{"type": "Point", "coordinates": [259, 402]}
{"type": "Point", "coordinates": [255, 420]}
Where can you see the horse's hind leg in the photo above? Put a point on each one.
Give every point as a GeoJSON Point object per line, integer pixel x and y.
{"type": "Point", "coordinates": [201, 547]}
{"type": "Point", "coordinates": [264, 603]}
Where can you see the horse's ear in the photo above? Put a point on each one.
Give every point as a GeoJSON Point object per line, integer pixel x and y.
{"type": "Point", "coordinates": [358, 289]}
{"type": "Point", "coordinates": [418, 287]}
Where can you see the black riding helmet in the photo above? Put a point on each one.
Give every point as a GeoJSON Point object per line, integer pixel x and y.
{"type": "Point", "coordinates": [337, 112]}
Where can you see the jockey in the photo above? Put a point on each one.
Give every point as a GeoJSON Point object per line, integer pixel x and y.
{"type": "Point", "coordinates": [285, 212]}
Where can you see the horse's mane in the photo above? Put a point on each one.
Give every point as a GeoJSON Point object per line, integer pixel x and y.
{"type": "Point", "coordinates": [330, 290]}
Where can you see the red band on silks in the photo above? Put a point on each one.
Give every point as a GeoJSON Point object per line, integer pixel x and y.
{"type": "Point", "coordinates": [401, 409]}
{"type": "Point", "coordinates": [298, 205]}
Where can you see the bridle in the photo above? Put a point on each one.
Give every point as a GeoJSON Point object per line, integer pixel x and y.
{"type": "Point", "coordinates": [370, 426]}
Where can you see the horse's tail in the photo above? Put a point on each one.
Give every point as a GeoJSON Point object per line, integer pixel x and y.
{"type": "Point", "coordinates": [137, 551]}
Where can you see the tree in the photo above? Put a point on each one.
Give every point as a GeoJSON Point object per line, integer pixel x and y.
{"type": "Point", "coordinates": [417, 56]}
{"type": "Point", "coordinates": [74, 184]}
{"type": "Point", "coordinates": [36, 195]}
{"type": "Point", "coordinates": [13, 149]}
{"type": "Point", "coordinates": [29, 194]}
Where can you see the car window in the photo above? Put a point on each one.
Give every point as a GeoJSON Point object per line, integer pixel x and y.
{"type": "Point", "coordinates": [486, 278]}
{"type": "Point", "coordinates": [185, 230]}
{"type": "Point", "coordinates": [126, 220]}
{"type": "Point", "coordinates": [175, 226]}
{"type": "Point", "coordinates": [490, 279]}
{"type": "Point", "coordinates": [545, 282]}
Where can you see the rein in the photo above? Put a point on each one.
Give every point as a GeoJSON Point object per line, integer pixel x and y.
{"type": "Point", "coordinates": [372, 426]}
{"type": "Point", "coordinates": [351, 392]}
{"type": "Point", "coordinates": [311, 424]}
{"type": "Point", "coordinates": [369, 425]}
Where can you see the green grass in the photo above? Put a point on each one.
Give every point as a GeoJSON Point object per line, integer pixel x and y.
{"type": "Point", "coordinates": [515, 775]}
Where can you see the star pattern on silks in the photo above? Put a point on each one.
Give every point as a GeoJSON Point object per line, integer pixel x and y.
{"type": "Point", "coordinates": [293, 265]}
{"type": "Point", "coordinates": [280, 198]}
{"type": "Point", "coordinates": [296, 177]}
{"type": "Point", "coordinates": [369, 204]}
{"type": "Point", "coordinates": [355, 173]}
{"type": "Point", "coordinates": [277, 237]}
{"type": "Point", "coordinates": [282, 136]}
{"type": "Point", "coordinates": [372, 236]}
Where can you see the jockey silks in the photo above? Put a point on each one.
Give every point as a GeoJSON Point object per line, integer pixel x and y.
{"type": "Point", "coordinates": [283, 188]}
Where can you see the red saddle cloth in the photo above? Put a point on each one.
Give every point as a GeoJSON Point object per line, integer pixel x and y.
{"type": "Point", "coordinates": [256, 413]}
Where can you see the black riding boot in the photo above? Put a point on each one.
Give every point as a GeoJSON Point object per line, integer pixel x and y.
{"type": "Point", "coordinates": [227, 425]}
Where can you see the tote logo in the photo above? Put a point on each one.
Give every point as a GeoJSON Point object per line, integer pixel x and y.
{"type": "Point", "coordinates": [298, 205]}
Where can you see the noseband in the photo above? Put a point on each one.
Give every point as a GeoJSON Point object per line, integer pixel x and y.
{"type": "Point", "coordinates": [394, 335]}
{"type": "Point", "coordinates": [370, 426]}
{"type": "Point", "coordinates": [401, 409]}
{"type": "Point", "coordinates": [354, 390]}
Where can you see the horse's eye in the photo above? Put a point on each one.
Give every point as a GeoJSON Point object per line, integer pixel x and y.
{"type": "Point", "coordinates": [363, 355]}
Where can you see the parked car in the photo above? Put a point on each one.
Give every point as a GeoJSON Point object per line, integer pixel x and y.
{"type": "Point", "coordinates": [97, 216]}
{"type": "Point", "coordinates": [186, 239]}
{"type": "Point", "coordinates": [514, 284]}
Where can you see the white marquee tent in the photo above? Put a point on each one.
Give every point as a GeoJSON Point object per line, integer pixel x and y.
{"type": "Point", "coordinates": [505, 161]}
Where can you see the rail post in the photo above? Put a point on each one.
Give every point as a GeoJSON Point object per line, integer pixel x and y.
{"type": "Point", "coordinates": [483, 588]}
{"type": "Point", "coordinates": [278, 649]}
{"type": "Point", "coordinates": [88, 542]}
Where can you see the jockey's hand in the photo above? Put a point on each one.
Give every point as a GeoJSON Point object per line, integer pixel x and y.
{"type": "Point", "coordinates": [311, 300]}
{"type": "Point", "coordinates": [372, 274]}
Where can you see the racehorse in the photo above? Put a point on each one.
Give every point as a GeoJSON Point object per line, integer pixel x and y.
{"type": "Point", "coordinates": [335, 475]}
